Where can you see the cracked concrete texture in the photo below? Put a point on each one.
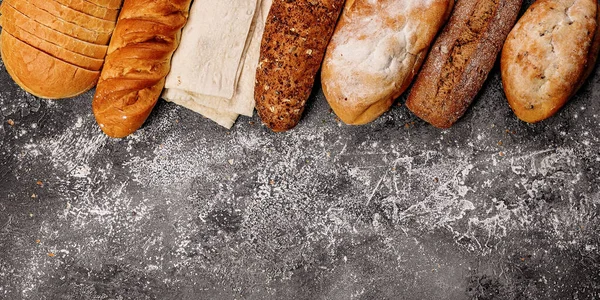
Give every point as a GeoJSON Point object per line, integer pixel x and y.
{"type": "Point", "coordinates": [492, 208]}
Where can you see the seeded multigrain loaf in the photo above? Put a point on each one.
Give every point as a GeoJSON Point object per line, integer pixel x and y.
{"type": "Point", "coordinates": [548, 55]}
{"type": "Point", "coordinates": [460, 59]}
{"type": "Point", "coordinates": [375, 52]}
{"type": "Point", "coordinates": [292, 49]}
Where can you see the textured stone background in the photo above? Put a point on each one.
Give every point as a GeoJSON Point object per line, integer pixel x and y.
{"type": "Point", "coordinates": [183, 209]}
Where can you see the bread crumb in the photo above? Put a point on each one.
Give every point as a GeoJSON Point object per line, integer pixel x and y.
{"type": "Point", "coordinates": [51, 254]}
{"type": "Point", "coordinates": [40, 183]}
{"type": "Point", "coordinates": [10, 122]}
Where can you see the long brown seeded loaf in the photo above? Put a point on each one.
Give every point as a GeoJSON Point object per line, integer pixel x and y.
{"type": "Point", "coordinates": [51, 35]}
{"type": "Point", "coordinates": [41, 74]}
{"type": "Point", "coordinates": [377, 49]}
{"type": "Point", "coordinates": [136, 64]}
{"type": "Point", "coordinates": [54, 22]}
{"type": "Point", "coordinates": [292, 49]}
{"type": "Point", "coordinates": [460, 59]}
{"type": "Point", "coordinates": [548, 55]}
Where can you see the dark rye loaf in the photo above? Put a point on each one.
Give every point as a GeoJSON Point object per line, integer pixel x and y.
{"type": "Point", "coordinates": [461, 59]}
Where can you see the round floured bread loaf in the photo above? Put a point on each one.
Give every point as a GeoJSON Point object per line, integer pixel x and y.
{"type": "Point", "coordinates": [375, 52]}
{"type": "Point", "coordinates": [45, 18]}
{"type": "Point", "coordinates": [548, 55]}
{"type": "Point", "coordinates": [76, 59]}
{"type": "Point", "coordinates": [41, 74]}
{"type": "Point", "coordinates": [48, 34]}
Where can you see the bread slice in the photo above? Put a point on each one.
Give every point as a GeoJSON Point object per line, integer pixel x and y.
{"type": "Point", "coordinates": [70, 15]}
{"type": "Point", "coordinates": [52, 49]}
{"type": "Point", "coordinates": [47, 19]}
{"type": "Point", "coordinates": [41, 74]}
{"type": "Point", "coordinates": [51, 35]}
{"type": "Point", "coordinates": [92, 9]}
{"type": "Point", "coordinates": [110, 4]}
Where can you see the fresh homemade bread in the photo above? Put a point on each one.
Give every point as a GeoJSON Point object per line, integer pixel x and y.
{"type": "Point", "coordinates": [91, 9]}
{"type": "Point", "coordinates": [70, 15]}
{"type": "Point", "coordinates": [460, 59]}
{"type": "Point", "coordinates": [292, 49]}
{"type": "Point", "coordinates": [51, 49]}
{"type": "Point", "coordinates": [93, 64]}
{"type": "Point", "coordinates": [54, 22]}
{"type": "Point", "coordinates": [41, 74]}
{"type": "Point", "coordinates": [376, 50]}
{"type": "Point", "coordinates": [137, 62]}
{"type": "Point", "coordinates": [548, 55]}
{"type": "Point", "coordinates": [46, 33]}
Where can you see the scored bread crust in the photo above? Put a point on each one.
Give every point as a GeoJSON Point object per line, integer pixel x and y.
{"type": "Point", "coordinates": [54, 22]}
{"type": "Point", "coordinates": [110, 4]}
{"type": "Point", "coordinates": [375, 52]}
{"type": "Point", "coordinates": [292, 49]}
{"type": "Point", "coordinates": [461, 59]}
{"type": "Point", "coordinates": [547, 56]}
{"type": "Point", "coordinates": [41, 74]}
{"type": "Point", "coordinates": [92, 9]}
{"type": "Point", "coordinates": [136, 64]}
{"type": "Point", "coordinates": [71, 57]}
{"type": "Point", "coordinates": [70, 15]}
{"type": "Point", "coordinates": [56, 37]}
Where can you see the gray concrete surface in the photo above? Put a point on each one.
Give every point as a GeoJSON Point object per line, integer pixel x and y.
{"type": "Point", "coordinates": [491, 209]}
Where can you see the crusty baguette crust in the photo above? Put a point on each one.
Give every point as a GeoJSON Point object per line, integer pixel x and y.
{"type": "Point", "coordinates": [54, 22]}
{"type": "Point", "coordinates": [375, 52]}
{"type": "Point", "coordinates": [548, 55]}
{"type": "Point", "coordinates": [292, 49]}
{"type": "Point", "coordinates": [461, 59]}
{"type": "Point", "coordinates": [51, 35]}
{"type": "Point", "coordinates": [63, 54]}
{"type": "Point", "coordinates": [41, 74]}
{"type": "Point", "coordinates": [137, 63]}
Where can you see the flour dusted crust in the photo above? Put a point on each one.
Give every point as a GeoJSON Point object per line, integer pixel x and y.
{"type": "Point", "coordinates": [41, 74]}
{"type": "Point", "coordinates": [547, 56]}
{"type": "Point", "coordinates": [376, 50]}
{"type": "Point", "coordinates": [460, 59]}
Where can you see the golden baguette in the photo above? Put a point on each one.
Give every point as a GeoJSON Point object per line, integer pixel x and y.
{"type": "Point", "coordinates": [136, 64]}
